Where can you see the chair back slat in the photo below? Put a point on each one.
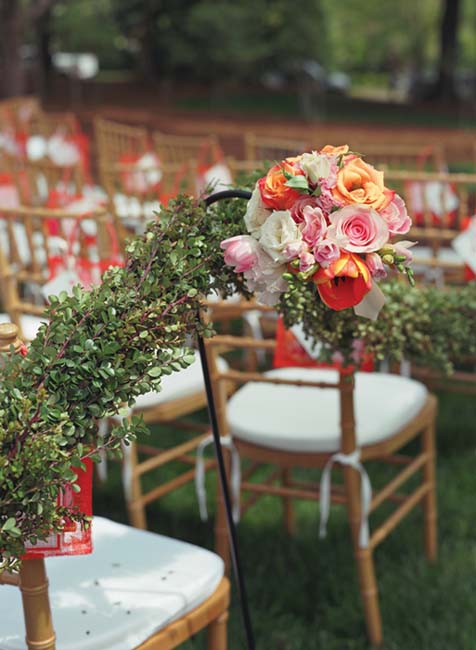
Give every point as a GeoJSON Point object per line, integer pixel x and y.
{"type": "Point", "coordinates": [183, 149]}
{"type": "Point", "coordinates": [115, 140]}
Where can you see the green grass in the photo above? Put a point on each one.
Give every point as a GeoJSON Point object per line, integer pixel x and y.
{"type": "Point", "coordinates": [331, 108]}
{"type": "Point", "coordinates": [303, 591]}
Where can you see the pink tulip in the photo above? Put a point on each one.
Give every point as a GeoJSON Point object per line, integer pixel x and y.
{"type": "Point", "coordinates": [240, 252]}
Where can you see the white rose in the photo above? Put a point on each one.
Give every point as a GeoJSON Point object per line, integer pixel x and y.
{"type": "Point", "coordinates": [315, 166]}
{"type": "Point", "coordinates": [265, 279]}
{"type": "Point", "coordinates": [256, 213]}
{"type": "Point", "coordinates": [279, 232]}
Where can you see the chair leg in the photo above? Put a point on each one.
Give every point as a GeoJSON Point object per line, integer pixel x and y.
{"type": "Point", "coordinates": [429, 501]}
{"type": "Point", "coordinates": [288, 509]}
{"type": "Point", "coordinates": [132, 488]}
{"type": "Point", "coordinates": [369, 595]}
{"type": "Point", "coordinates": [222, 544]}
{"type": "Point", "coordinates": [217, 633]}
{"type": "Point", "coordinates": [364, 559]}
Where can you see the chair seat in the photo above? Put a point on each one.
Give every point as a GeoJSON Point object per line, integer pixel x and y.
{"type": "Point", "coordinates": [29, 324]}
{"type": "Point", "coordinates": [306, 419]}
{"type": "Point", "coordinates": [178, 385]}
{"type": "Point", "coordinates": [134, 584]}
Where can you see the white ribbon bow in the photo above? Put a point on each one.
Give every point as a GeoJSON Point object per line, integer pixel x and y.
{"type": "Point", "coordinates": [353, 460]}
{"type": "Point", "coordinates": [227, 442]}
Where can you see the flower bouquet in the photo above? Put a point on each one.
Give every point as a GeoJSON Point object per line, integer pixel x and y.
{"type": "Point", "coordinates": [327, 218]}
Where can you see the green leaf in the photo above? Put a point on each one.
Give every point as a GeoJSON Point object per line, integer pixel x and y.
{"type": "Point", "coordinates": [298, 183]}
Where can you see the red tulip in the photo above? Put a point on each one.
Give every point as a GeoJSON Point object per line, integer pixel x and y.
{"type": "Point", "coordinates": [344, 282]}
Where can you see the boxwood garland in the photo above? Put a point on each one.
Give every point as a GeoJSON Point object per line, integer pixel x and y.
{"type": "Point", "coordinates": [103, 348]}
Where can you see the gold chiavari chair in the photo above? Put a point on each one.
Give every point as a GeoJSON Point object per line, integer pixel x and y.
{"type": "Point", "coordinates": [137, 589]}
{"type": "Point", "coordinates": [404, 156]}
{"type": "Point", "coordinates": [180, 149]}
{"type": "Point", "coordinates": [440, 205]}
{"type": "Point", "coordinates": [260, 148]}
{"type": "Point", "coordinates": [38, 244]}
{"type": "Point", "coordinates": [312, 418]}
{"type": "Point", "coordinates": [182, 395]}
{"type": "Point", "coordinates": [38, 181]}
{"type": "Point", "coordinates": [19, 111]}
{"type": "Point", "coordinates": [115, 141]}
{"type": "Point", "coordinates": [47, 124]}
{"type": "Point", "coordinates": [136, 192]}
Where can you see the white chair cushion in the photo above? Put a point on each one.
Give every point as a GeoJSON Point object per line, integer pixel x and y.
{"type": "Point", "coordinates": [29, 324]}
{"type": "Point", "coordinates": [179, 384]}
{"type": "Point", "coordinates": [134, 584]}
{"type": "Point", "coordinates": [305, 419]}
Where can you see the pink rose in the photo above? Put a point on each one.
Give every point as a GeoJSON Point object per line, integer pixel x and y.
{"type": "Point", "coordinates": [298, 206]}
{"type": "Point", "coordinates": [396, 216]}
{"type": "Point", "coordinates": [366, 231]}
{"type": "Point", "coordinates": [315, 225]}
{"type": "Point", "coordinates": [325, 252]}
{"type": "Point", "coordinates": [375, 266]}
{"type": "Point", "coordinates": [241, 252]}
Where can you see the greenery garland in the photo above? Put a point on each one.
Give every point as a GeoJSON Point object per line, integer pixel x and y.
{"type": "Point", "coordinates": [103, 348]}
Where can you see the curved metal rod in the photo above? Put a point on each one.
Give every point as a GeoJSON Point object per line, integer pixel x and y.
{"type": "Point", "coordinates": [234, 551]}
{"type": "Point", "coordinates": [227, 194]}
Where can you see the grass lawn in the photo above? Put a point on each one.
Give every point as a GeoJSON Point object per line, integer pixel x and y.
{"type": "Point", "coordinates": [303, 591]}
{"type": "Point", "coordinates": [332, 108]}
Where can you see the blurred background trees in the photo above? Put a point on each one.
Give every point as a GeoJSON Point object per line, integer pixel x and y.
{"type": "Point", "coordinates": [415, 48]}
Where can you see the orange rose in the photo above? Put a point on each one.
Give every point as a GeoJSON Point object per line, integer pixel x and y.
{"type": "Point", "coordinates": [274, 192]}
{"type": "Point", "coordinates": [344, 282]}
{"type": "Point", "coordinates": [359, 182]}
{"type": "Point", "coordinates": [335, 151]}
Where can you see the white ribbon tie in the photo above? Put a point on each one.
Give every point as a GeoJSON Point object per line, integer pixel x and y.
{"type": "Point", "coordinates": [235, 479]}
{"type": "Point", "coordinates": [353, 460]}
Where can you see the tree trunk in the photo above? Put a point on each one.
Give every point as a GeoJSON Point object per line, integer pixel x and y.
{"type": "Point", "coordinates": [445, 87]}
{"type": "Point", "coordinates": [12, 81]}
{"type": "Point", "coordinates": [44, 62]}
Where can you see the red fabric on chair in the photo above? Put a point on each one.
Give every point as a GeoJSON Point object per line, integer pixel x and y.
{"type": "Point", "coordinates": [74, 540]}
{"type": "Point", "coordinates": [468, 273]}
{"type": "Point", "coordinates": [88, 268]}
{"type": "Point", "coordinates": [290, 353]}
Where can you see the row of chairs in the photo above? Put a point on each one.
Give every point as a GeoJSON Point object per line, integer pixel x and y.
{"type": "Point", "coordinates": [171, 409]}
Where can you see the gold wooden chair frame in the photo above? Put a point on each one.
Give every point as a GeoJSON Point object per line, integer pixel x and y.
{"type": "Point", "coordinates": [114, 140]}
{"type": "Point", "coordinates": [386, 451]}
{"type": "Point", "coordinates": [179, 149]}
